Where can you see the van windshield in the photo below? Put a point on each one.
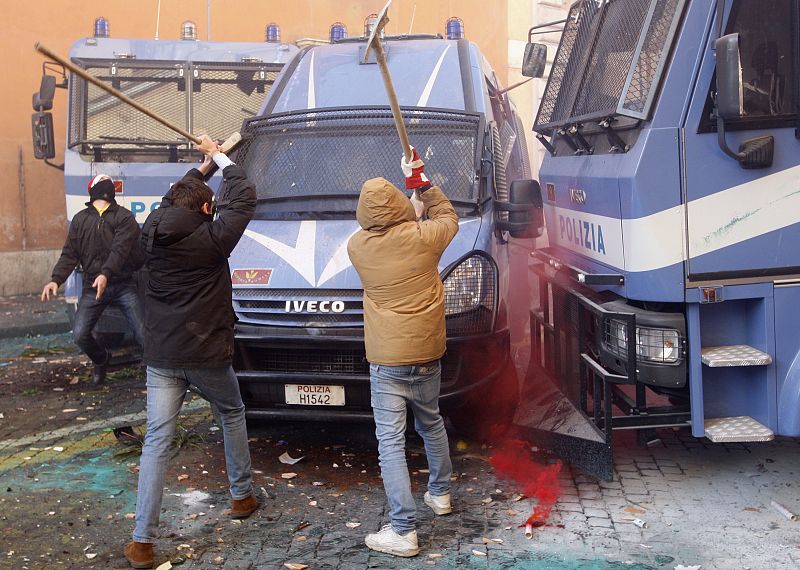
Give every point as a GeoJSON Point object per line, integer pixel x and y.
{"type": "Point", "coordinates": [312, 164]}
{"type": "Point", "coordinates": [188, 94]}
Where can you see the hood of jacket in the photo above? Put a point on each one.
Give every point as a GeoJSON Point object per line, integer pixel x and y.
{"type": "Point", "coordinates": [382, 205]}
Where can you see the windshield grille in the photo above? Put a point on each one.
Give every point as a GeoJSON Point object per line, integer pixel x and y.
{"type": "Point", "coordinates": [332, 152]}
{"type": "Point", "coordinates": [209, 98]}
{"type": "Point", "coordinates": [609, 62]}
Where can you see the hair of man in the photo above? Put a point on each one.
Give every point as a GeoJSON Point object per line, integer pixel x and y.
{"type": "Point", "coordinates": [192, 194]}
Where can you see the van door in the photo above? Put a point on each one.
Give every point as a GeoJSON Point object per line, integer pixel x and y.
{"type": "Point", "coordinates": [741, 222]}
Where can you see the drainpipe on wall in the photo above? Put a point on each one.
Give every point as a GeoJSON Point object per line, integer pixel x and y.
{"type": "Point", "coordinates": [22, 206]}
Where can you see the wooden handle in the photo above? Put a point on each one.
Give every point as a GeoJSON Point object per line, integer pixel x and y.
{"type": "Point", "coordinates": [380, 56]}
{"type": "Point", "coordinates": [111, 91]}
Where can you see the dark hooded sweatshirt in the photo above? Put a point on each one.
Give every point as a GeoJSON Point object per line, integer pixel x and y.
{"type": "Point", "coordinates": [188, 311]}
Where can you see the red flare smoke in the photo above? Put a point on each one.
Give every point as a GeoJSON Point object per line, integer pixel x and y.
{"type": "Point", "coordinates": [512, 460]}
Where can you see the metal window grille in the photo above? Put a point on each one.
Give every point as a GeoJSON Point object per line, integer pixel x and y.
{"type": "Point", "coordinates": [222, 97]}
{"type": "Point", "coordinates": [610, 61]}
{"type": "Point", "coordinates": [333, 151]}
{"type": "Point", "coordinates": [106, 118]}
{"type": "Point", "coordinates": [212, 98]}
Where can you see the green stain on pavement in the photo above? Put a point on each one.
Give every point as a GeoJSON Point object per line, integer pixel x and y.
{"type": "Point", "coordinates": [99, 474]}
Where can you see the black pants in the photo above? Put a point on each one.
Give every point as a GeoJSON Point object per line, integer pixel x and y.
{"type": "Point", "coordinates": [122, 295]}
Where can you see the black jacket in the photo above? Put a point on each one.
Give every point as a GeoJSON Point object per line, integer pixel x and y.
{"type": "Point", "coordinates": [188, 310]}
{"type": "Point", "coordinates": [107, 244]}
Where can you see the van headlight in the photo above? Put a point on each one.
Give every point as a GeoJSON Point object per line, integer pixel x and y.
{"type": "Point", "coordinates": [660, 346]}
{"type": "Point", "coordinates": [470, 296]}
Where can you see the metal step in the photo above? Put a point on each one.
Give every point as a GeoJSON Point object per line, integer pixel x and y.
{"type": "Point", "coordinates": [737, 428]}
{"type": "Point", "coordinates": [734, 355]}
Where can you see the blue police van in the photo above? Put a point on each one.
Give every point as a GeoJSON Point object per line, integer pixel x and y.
{"type": "Point", "coordinates": [668, 290]}
{"type": "Point", "coordinates": [202, 87]}
{"type": "Point", "coordinates": [325, 128]}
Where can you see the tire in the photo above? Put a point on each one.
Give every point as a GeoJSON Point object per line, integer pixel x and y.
{"type": "Point", "coordinates": [488, 412]}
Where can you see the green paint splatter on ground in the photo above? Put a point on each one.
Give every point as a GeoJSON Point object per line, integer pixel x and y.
{"type": "Point", "coordinates": [99, 474]}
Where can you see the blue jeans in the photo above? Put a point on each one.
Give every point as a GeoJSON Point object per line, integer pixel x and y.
{"type": "Point", "coordinates": [123, 295]}
{"type": "Point", "coordinates": [393, 390]}
{"type": "Point", "coordinates": [166, 389]}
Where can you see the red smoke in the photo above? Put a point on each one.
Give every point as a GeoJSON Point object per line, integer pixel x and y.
{"type": "Point", "coordinates": [512, 460]}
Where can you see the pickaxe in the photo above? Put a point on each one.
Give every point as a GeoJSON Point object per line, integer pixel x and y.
{"type": "Point", "coordinates": [374, 42]}
{"type": "Point", "coordinates": [227, 146]}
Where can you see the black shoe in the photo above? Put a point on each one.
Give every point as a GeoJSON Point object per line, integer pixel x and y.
{"type": "Point", "coordinates": [100, 370]}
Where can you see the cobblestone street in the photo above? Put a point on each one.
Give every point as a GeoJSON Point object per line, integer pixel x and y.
{"type": "Point", "coordinates": [68, 491]}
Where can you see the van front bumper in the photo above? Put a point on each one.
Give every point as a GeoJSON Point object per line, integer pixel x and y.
{"type": "Point", "coordinates": [268, 358]}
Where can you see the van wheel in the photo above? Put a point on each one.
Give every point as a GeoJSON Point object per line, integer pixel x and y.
{"type": "Point", "coordinates": [489, 411]}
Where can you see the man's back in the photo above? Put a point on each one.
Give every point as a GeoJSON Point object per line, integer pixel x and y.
{"type": "Point", "coordinates": [397, 260]}
{"type": "Point", "coordinates": [188, 313]}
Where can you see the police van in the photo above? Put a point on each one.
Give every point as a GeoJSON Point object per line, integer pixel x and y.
{"type": "Point", "coordinates": [668, 291]}
{"type": "Point", "coordinates": [324, 130]}
{"type": "Point", "coordinates": [202, 87]}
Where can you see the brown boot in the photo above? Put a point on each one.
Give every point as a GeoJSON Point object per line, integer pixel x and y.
{"type": "Point", "coordinates": [243, 508]}
{"type": "Point", "coordinates": [139, 554]}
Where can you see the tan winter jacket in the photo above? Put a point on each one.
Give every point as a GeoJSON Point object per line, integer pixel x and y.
{"type": "Point", "coordinates": [397, 258]}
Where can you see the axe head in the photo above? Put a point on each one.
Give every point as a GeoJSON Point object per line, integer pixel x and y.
{"type": "Point", "coordinates": [375, 36]}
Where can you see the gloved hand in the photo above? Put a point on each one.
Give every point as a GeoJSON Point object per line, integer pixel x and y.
{"type": "Point", "coordinates": [414, 171]}
{"type": "Point", "coordinates": [419, 207]}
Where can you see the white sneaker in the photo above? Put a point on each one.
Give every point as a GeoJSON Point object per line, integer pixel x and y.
{"type": "Point", "coordinates": [388, 541]}
{"type": "Point", "coordinates": [439, 504]}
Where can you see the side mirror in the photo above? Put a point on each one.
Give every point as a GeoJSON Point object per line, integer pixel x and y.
{"type": "Point", "coordinates": [44, 146]}
{"type": "Point", "coordinates": [43, 99]}
{"type": "Point", "coordinates": [534, 60]}
{"type": "Point", "coordinates": [526, 216]}
{"type": "Point", "coordinates": [730, 88]}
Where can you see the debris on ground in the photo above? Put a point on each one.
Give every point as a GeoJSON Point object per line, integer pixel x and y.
{"type": "Point", "coordinates": [783, 510]}
{"type": "Point", "coordinates": [288, 459]}
{"type": "Point", "coordinates": [478, 552]}
{"type": "Point", "coordinates": [288, 475]}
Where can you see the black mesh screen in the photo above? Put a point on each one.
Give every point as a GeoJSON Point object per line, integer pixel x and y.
{"type": "Point", "coordinates": [333, 151]}
{"type": "Point", "coordinates": [222, 97]}
{"type": "Point", "coordinates": [565, 74]}
{"type": "Point", "coordinates": [650, 61]}
{"type": "Point", "coordinates": [470, 297]}
{"type": "Point", "coordinates": [607, 68]}
{"type": "Point", "coordinates": [610, 60]}
{"type": "Point", "coordinates": [202, 98]}
{"type": "Point", "coordinates": [159, 89]}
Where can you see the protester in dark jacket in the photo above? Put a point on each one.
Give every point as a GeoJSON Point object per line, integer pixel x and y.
{"type": "Point", "coordinates": [104, 240]}
{"type": "Point", "coordinates": [189, 333]}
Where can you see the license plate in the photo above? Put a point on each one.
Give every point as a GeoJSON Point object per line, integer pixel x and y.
{"type": "Point", "coordinates": [314, 395]}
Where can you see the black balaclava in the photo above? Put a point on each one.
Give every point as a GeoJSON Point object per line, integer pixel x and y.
{"type": "Point", "coordinates": [101, 188]}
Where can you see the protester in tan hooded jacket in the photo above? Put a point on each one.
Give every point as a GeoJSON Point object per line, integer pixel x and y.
{"type": "Point", "coordinates": [397, 259]}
